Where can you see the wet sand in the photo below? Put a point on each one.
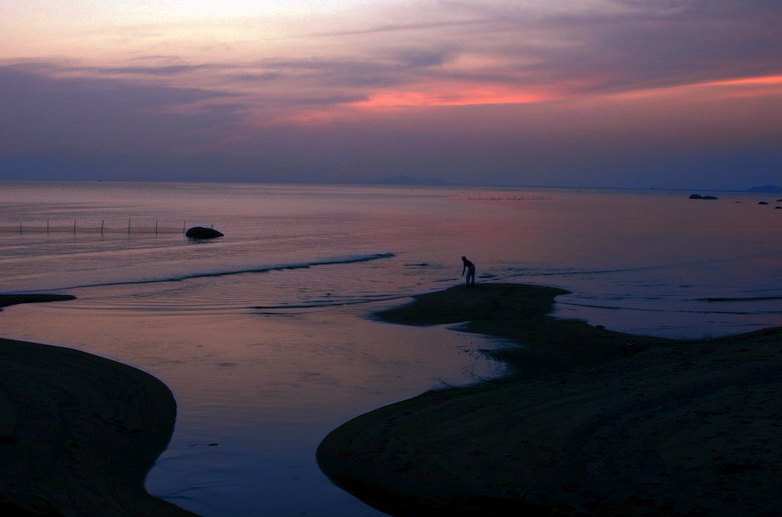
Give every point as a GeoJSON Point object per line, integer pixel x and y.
{"type": "Point", "coordinates": [78, 433]}
{"type": "Point", "coordinates": [588, 422]}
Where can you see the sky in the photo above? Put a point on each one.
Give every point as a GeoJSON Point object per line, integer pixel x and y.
{"type": "Point", "coordinates": [604, 93]}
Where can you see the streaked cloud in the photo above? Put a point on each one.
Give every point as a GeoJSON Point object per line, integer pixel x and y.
{"type": "Point", "coordinates": [185, 76]}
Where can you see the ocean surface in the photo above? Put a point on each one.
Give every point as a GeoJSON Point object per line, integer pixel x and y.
{"type": "Point", "coordinates": [264, 335]}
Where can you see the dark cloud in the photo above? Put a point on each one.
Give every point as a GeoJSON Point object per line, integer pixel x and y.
{"type": "Point", "coordinates": [147, 119]}
{"type": "Point", "coordinates": [326, 101]}
{"type": "Point", "coordinates": [379, 71]}
{"type": "Point", "coordinates": [255, 77]}
{"type": "Point", "coordinates": [400, 27]}
{"type": "Point", "coordinates": [43, 111]}
{"type": "Point", "coordinates": [623, 45]}
{"type": "Point", "coordinates": [157, 71]}
{"type": "Point", "coordinates": [637, 44]}
{"type": "Point", "coordinates": [639, 143]}
{"type": "Point", "coordinates": [418, 58]}
{"type": "Point", "coordinates": [49, 86]}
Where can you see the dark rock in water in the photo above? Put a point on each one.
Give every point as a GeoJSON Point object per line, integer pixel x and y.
{"type": "Point", "coordinates": [698, 196]}
{"type": "Point", "coordinates": [778, 208]}
{"type": "Point", "coordinates": [199, 232]}
{"type": "Point", "coordinates": [763, 203]}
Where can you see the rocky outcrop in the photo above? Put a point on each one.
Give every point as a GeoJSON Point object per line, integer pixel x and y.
{"type": "Point", "coordinates": [200, 232]}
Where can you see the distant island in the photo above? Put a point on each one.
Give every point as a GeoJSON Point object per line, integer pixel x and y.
{"type": "Point", "coordinates": [765, 188]}
{"type": "Point", "coordinates": [402, 179]}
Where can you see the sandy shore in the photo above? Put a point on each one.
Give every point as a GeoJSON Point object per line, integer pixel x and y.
{"type": "Point", "coordinates": [589, 422]}
{"type": "Point", "coordinates": [78, 433]}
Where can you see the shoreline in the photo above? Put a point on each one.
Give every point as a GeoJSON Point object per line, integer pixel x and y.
{"type": "Point", "coordinates": [587, 421]}
{"type": "Point", "coordinates": [78, 432]}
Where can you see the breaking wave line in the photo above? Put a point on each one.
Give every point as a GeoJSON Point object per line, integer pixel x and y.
{"type": "Point", "coordinates": [353, 259]}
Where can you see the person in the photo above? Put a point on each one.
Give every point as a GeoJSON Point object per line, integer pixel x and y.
{"type": "Point", "coordinates": [469, 267]}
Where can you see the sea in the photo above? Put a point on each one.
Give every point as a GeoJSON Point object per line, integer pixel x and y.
{"type": "Point", "coordinates": [265, 335]}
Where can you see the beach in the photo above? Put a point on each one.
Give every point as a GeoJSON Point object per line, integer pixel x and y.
{"type": "Point", "coordinates": [78, 432]}
{"type": "Point", "coordinates": [587, 422]}
{"type": "Point", "coordinates": [263, 335]}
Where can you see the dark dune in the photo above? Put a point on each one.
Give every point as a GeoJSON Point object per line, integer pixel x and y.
{"type": "Point", "coordinates": [589, 422]}
{"type": "Point", "coordinates": [78, 432]}
{"type": "Point", "coordinates": [13, 299]}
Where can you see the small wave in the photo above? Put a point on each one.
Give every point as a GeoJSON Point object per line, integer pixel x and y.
{"type": "Point", "coordinates": [531, 272]}
{"type": "Point", "coordinates": [330, 303]}
{"type": "Point", "coordinates": [666, 310]}
{"type": "Point", "coordinates": [745, 299]}
{"type": "Point", "coordinates": [353, 259]}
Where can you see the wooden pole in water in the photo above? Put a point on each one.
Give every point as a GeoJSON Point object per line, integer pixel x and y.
{"type": "Point", "coordinates": [47, 227]}
{"type": "Point", "coordinates": [128, 226]}
{"type": "Point", "coordinates": [101, 225]}
{"type": "Point", "coordinates": [155, 226]}
{"type": "Point", "coordinates": [74, 226]}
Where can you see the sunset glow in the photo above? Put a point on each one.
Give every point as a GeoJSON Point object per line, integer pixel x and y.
{"type": "Point", "coordinates": [451, 95]}
{"type": "Point", "coordinates": [226, 74]}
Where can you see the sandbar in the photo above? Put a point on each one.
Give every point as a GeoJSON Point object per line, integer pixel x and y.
{"type": "Point", "coordinates": [78, 432]}
{"type": "Point", "coordinates": [587, 421]}
{"type": "Point", "coordinates": [13, 299]}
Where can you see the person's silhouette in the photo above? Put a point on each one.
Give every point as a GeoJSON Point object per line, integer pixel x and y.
{"type": "Point", "coordinates": [469, 267]}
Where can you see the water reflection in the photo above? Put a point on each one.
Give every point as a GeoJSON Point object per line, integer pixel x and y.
{"type": "Point", "coordinates": [257, 392]}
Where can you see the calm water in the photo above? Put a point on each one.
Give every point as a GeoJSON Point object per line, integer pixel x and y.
{"type": "Point", "coordinates": [262, 335]}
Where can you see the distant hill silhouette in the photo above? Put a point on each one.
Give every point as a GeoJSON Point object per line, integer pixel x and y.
{"type": "Point", "coordinates": [402, 179]}
{"type": "Point", "coordinates": [765, 188]}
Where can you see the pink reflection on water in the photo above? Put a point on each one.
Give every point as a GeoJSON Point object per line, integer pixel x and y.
{"type": "Point", "coordinates": [266, 388]}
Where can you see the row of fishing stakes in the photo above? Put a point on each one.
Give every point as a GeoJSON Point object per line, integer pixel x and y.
{"type": "Point", "coordinates": [103, 226]}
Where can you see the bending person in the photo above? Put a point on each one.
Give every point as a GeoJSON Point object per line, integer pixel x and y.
{"type": "Point", "coordinates": [469, 267]}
